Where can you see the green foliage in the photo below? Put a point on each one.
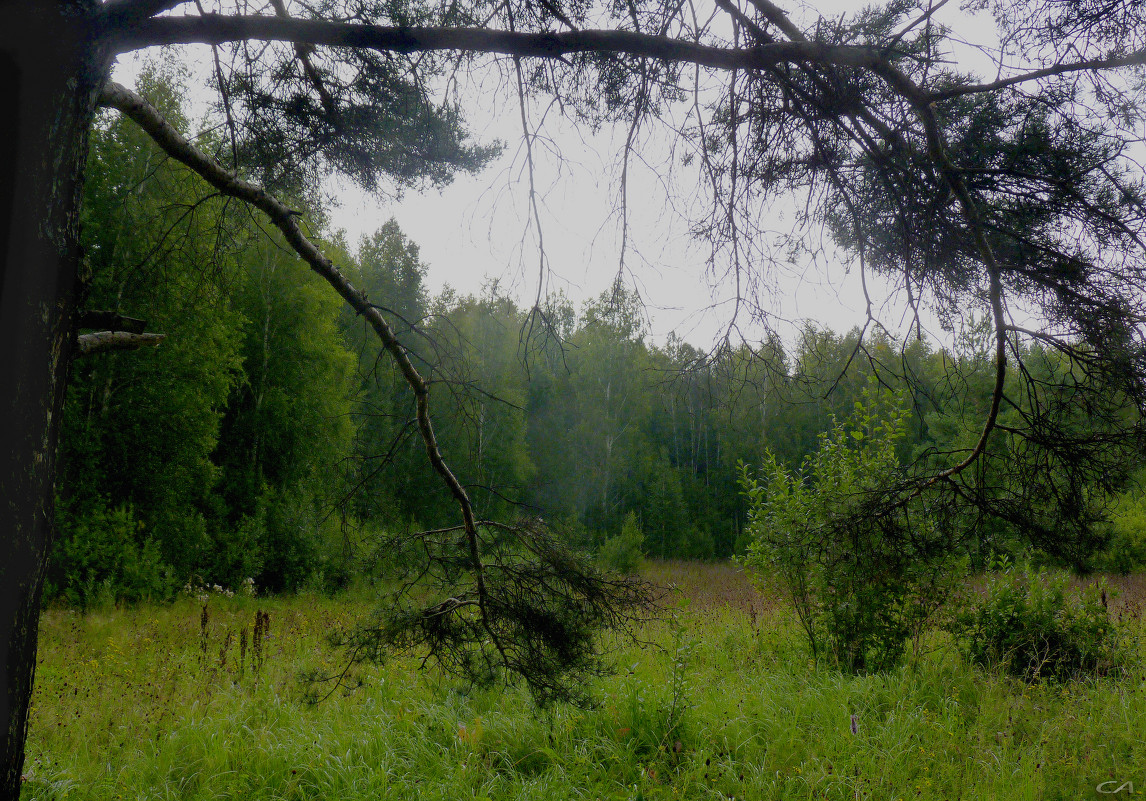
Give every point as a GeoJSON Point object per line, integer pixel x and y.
{"type": "Point", "coordinates": [139, 428]}
{"type": "Point", "coordinates": [860, 585]}
{"type": "Point", "coordinates": [1034, 626]}
{"type": "Point", "coordinates": [1125, 551]}
{"type": "Point", "coordinates": [485, 427]}
{"type": "Point", "coordinates": [386, 463]}
{"type": "Point", "coordinates": [225, 440]}
{"type": "Point", "coordinates": [623, 553]}
{"type": "Point", "coordinates": [106, 556]}
{"type": "Point", "coordinates": [288, 427]}
{"type": "Point", "coordinates": [385, 131]}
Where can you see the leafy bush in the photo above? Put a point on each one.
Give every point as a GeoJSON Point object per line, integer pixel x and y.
{"type": "Point", "coordinates": [1125, 552]}
{"type": "Point", "coordinates": [623, 553]}
{"type": "Point", "coordinates": [1034, 627]}
{"type": "Point", "coordinates": [238, 549]}
{"type": "Point", "coordinates": [861, 565]}
{"type": "Point", "coordinates": [103, 556]}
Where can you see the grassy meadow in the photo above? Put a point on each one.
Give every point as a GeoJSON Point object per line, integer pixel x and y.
{"type": "Point", "coordinates": [720, 701]}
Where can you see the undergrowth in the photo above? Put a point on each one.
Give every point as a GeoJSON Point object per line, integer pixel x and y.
{"type": "Point", "coordinates": [723, 702]}
{"type": "Point", "coordinates": [1034, 626]}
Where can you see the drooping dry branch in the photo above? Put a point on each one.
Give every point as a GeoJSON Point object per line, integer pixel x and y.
{"type": "Point", "coordinates": [286, 220]}
{"type": "Point", "coordinates": [545, 601]}
{"type": "Point", "coordinates": [537, 618]}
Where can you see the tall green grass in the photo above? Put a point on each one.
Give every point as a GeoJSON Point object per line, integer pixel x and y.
{"type": "Point", "coordinates": [720, 702]}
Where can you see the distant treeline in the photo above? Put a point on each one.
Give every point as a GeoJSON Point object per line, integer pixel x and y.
{"type": "Point", "coordinates": [268, 436]}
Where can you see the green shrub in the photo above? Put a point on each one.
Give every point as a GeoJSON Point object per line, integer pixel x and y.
{"type": "Point", "coordinates": [1033, 626]}
{"type": "Point", "coordinates": [862, 566]}
{"type": "Point", "coordinates": [237, 550]}
{"type": "Point", "coordinates": [1125, 552]}
{"type": "Point", "coordinates": [104, 556]}
{"type": "Point", "coordinates": [623, 553]}
{"type": "Point", "coordinates": [291, 544]}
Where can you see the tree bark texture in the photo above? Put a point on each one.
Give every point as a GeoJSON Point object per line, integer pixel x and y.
{"type": "Point", "coordinates": [50, 71]}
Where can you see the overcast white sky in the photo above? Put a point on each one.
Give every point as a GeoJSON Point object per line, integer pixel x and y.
{"type": "Point", "coordinates": [478, 229]}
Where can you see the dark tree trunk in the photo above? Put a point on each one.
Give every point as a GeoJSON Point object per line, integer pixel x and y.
{"type": "Point", "coordinates": [50, 72]}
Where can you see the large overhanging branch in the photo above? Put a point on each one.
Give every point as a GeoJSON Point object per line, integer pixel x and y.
{"type": "Point", "coordinates": [286, 220]}
{"type": "Point", "coordinates": [218, 29]}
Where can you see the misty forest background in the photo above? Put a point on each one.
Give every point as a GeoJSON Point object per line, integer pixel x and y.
{"type": "Point", "coordinates": [266, 437]}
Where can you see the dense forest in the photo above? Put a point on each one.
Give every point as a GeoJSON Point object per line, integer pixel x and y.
{"type": "Point", "coordinates": [267, 437]}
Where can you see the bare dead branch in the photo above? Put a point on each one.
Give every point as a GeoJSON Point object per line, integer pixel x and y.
{"type": "Point", "coordinates": [1135, 59]}
{"type": "Point", "coordinates": [924, 17]}
{"type": "Point", "coordinates": [536, 619]}
{"type": "Point", "coordinates": [286, 220]}
{"type": "Point", "coordinates": [104, 341]}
